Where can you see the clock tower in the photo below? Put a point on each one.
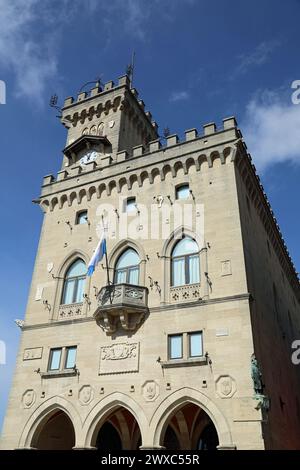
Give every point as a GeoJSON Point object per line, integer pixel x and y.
{"type": "Point", "coordinates": [105, 122]}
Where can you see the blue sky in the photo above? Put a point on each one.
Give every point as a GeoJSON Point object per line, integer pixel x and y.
{"type": "Point", "coordinates": [197, 61]}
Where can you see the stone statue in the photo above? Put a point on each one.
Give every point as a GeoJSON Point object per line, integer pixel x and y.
{"type": "Point", "coordinates": [256, 376]}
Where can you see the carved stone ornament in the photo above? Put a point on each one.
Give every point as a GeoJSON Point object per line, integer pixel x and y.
{"type": "Point", "coordinates": [28, 398]}
{"type": "Point", "coordinates": [225, 386]}
{"type": "Point", "coordinates": [86, 394]}
{"type": "Point", "coordinates": [150, 390]}
{"type": "Point", "coordinates": [118, 358]}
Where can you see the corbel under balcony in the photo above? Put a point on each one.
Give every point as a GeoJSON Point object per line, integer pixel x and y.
{"type": "Point", "coordinates": [121, 305]}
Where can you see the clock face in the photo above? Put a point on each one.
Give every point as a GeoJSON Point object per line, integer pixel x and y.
{"type": "Point", "coordinates": [89, 156]}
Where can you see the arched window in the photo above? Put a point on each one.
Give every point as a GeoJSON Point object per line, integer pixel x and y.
{"type": "Point", "coordinates": [127, 268]}
{"type": "Point", "coordinates": [185, 263]}
{"type": "Point", "coordinates": [74, 283]}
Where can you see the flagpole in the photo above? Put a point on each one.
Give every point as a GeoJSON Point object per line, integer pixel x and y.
{"type": "Point", "coordinates": [106, 259]}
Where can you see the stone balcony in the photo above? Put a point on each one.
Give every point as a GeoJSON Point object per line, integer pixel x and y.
{"type": "Point", "coordinates": [121, 305]}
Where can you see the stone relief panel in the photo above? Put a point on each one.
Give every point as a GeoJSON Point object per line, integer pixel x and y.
{"type": "Point", "coordinates": [32, 353]}
{"type": "Point", "coordinates": [119, 358]}
{"type": "Point", "coordinates": [226, 268]}
{"type": "Point", "coordinates": [150, 390]}
{"type": "Point", "coordinates": [85, 395]}
{"type": "Point", "coordinates": [28, 398]}
{"type": "Point", "coordinates": [225, 386]}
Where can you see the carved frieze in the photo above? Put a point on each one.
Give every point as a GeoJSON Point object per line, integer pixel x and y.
{"type": "Point", "coordinates": [186, 293]}
{"type": "Point", "coordinates": [70, 311]}
{"type": "Point", "coordinates": [119, 358]}
{"type": "Point", "coordinates": [32, 353]}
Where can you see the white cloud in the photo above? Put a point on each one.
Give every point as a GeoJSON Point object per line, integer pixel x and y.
{"type": "Point", "coordinates": [271, 128]}
{"type": "Point", "coordinates": [258, 57]}
{"type": "Point", "coordinates": [31, 32]}
{"type": "Point", "coordinates": [179, 96]}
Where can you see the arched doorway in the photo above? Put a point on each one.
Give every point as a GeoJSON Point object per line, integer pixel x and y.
{"type": "Point", "coordinates": [189, 428]}
{"type": "Point", "coordinates": [119, 431]}
{"type": "Point", "coordinates": [54, 432]}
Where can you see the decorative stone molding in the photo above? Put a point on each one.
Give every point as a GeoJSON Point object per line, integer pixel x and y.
{"type": "Point", "coordinates": [70, 311]}
{"type": "Point", "coordinates": [186, 293]}
{"type": "Point", "coordinates": [225, 386]}
{"type": "Point", "coordinates": [32, 353]}
{"type": "Point", "coordinates": [28, 398]}
{"type": "Point", "coordinates": [85, 395]}
{"type": "Point", "coordinates": [121, 304]}
{"type": "Point", "coordinates": [119, 358]}
{"type": "Point", "coordinates": [150, 390]}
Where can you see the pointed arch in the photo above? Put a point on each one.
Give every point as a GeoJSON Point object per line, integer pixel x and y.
{"type": "Point", "coordinates": [123, 245]}
{"type": "Point", "coordinates": [42, 411]}
{"type": "Point", "coordinates": [104, 408]}
{"type": "Point", "coordinates": [175, 400]}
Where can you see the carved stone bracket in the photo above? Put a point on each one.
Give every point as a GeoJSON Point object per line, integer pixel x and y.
{"type": "Point", "coordinates": [123, 305]}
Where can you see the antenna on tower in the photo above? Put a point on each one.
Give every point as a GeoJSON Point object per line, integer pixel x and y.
{"type": "Point", "coordinates": [97, 82]}
{"type": "Point", "coordinates": [53, 102]}
{"type": "Point", "coordinates": [130, 69]}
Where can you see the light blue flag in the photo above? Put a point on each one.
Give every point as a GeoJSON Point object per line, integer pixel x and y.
{"type": "Point", "coordinates": [98, 255]}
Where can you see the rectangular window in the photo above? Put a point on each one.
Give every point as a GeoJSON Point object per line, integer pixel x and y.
{"type": "Point", "coordinates": [195, 344]}
{"type": "Point", "coordinates": [54, 360]}
{"type": "Point", "coordinates": [175, 346]}
{"type": "Point", "coordinates": [70, 357]}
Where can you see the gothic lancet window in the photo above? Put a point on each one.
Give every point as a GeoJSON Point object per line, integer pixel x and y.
{"type": "Point", "coordinates": [185, 265]}
{"type": "Point", "coordinates": [74, 283]}
{"type": "Point", "coordinates": [127, 268]}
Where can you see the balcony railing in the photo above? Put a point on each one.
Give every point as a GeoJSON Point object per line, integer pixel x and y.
{"type": "Point", "coordinates": [123, 305]}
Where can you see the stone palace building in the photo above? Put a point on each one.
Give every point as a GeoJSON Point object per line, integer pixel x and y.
{"type": "Point", "coordinates": [181, 338]}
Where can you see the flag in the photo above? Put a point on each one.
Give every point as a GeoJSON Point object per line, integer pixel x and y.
{"type": "Point", "coordinates": [98, 255]}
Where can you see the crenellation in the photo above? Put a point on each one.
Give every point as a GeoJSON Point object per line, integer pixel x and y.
{"type": "Point", "coordinates": [81, 96]}
{"type": "Point", "coordinates": [149, 115]}
{"type": "Point", "coordinates": [210, 128]}
{"type": "Point", "coordinates": [122, 156]}
{"type": "Point", "coordinates": [154, 145]}
{"type": "Point", "coordinates": [172, 140]}
{"type": "Point", "coordinates": [229, 123]}
{"type": "Point", "coordinates": [48, 179]}
{"type": "Point", "coordinates": [68, 101]}
{"type": "Point", "coordinates": [134, 92]}
{"type": "Point", "coordinates": [191, 134]}
{"type": "Point", "coordinates": [95, 90]}
{"type": "Point", "coordinates": [61, 175]}
{"type": "Point", "coordinates": [142, 104]}
{"type": "Point", "coordinates": [124, 81]}
{"type": "Point", "coordinates": [109, 85]}
{"type": "Point", "coordinates": [138, 151]}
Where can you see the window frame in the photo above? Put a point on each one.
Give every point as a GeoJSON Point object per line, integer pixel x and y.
{"type": "Point", "coordinates": [68, 280]}
{"type": "Point", "coordinates": [185, 346]}
{"type": "Point", "coordinates": [178, 188]}
{"type": "Point", "coordinates": [127, 269]}
{"type": "Point", "coordinates": [79, 215]}
{"type": "Point", "coordinates": [180, 335]}
{"type": "Point", "coordinates": [62, 360]}
{"type": "Point", "coordinates": [189, 335]}
{"type": "Point", "coordinates": [67, 349]}
{"type": "Point", "coordinates": [125, 204]}
{"type": "Point", "coordinates": [186, 258]}
{"type": "Point", "coordinates": [52, 350]}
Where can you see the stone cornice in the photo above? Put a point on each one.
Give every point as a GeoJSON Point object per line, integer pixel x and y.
{"type": "Point", "coordinates": [161, 308]}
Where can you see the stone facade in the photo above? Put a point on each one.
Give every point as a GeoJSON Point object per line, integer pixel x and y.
{"type": "Point", "coordinates": [245, 303]}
